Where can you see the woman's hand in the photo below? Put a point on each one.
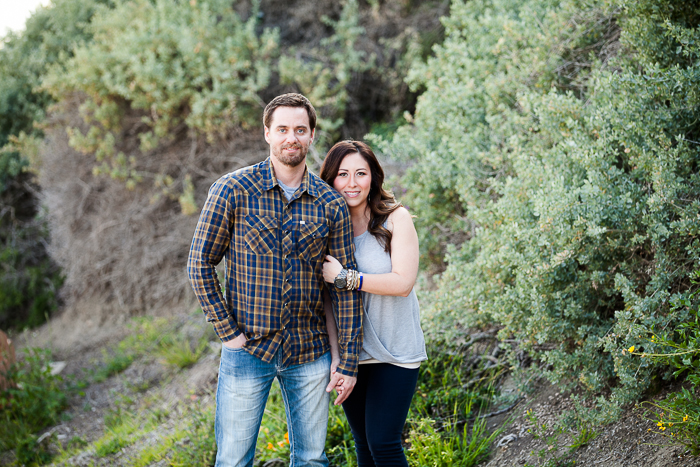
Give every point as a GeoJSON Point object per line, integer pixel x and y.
{"type": "Point", "coordinates": [331, 269]}
{"type": "Point", "coordinates": [334, 364]}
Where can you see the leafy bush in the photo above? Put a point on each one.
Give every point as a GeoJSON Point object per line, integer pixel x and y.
{"type": "Point", "coordinates": [49, 36]}
{"type": "Point", "coordinates": [178, 63]}
{"type": "Point", "coordinates": [678, 415]}
{"type": "Point", "coordinates": [36, 402]}
{"type": "Point", "coordinates": [29, 281]}
{"type": "Point", "coordinates": [571, 167]}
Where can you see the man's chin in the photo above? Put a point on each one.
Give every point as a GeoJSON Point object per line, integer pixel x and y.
{"type": "Point", "coordinates": [292, 161]}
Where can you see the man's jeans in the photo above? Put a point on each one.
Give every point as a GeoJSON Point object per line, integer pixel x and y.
{"type": "Point", "coordinates": [244, 384]}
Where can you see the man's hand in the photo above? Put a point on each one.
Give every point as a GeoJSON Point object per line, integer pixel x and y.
{"type": "Point", "coordinates": [236, 343]}
{"type": "Point", "coordinates": [343, 385]}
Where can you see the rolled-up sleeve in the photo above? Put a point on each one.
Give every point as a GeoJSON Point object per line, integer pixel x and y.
{"type": "Point", "coordinates": [347, 303]}
{"type": "Point", "coordinates": [209, 244]}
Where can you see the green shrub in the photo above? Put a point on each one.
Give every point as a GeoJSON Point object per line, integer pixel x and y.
{"type": "Point", "coordinates": [195, 64]}
{"type": "Point", "coordinates": [28, 279]}
{"type": "Point", "coordinates": [553, 137]}
{"type": "Point", "coordinates": [35, 403]}
{"type": "Point", "coordinates": [678, 415]}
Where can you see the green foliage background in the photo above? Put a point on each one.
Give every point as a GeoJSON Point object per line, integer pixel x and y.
{"type": "Point", "coordinates": [102, 97]}
{"type": "Point", "coordinates": [29, 280]}
{"type": "Point", "coordinates": [562, 137]}
{"type": "Point", "coordinates": [553, 149]}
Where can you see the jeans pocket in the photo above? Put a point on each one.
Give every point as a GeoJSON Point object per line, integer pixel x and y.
{"type": "Point", "coordinates": [232, 360]}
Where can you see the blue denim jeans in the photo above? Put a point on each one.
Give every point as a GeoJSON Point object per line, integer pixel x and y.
{"type": "Point", "coordinates": [244, 385]}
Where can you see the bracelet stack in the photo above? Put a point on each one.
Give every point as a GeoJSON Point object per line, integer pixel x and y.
{"type": "Point", "coordinates": [348, 279]}
{"type": "Point", "coordinates": [353, 279]}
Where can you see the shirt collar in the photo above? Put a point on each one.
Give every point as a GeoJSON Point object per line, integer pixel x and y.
{"type": "Point", "coordinates": [270, 180]}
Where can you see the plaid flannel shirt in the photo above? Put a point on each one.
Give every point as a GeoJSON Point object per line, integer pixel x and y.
{"type": "Point", "coordinates": [274, 253]}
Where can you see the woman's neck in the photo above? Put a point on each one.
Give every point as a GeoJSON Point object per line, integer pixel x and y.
{"type": "Point", "coordinates": [360, 219]}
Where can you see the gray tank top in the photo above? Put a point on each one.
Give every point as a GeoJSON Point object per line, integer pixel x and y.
{"type": "Point", "coordinates": [391, 325]}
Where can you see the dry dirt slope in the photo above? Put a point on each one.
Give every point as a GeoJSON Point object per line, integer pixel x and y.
{"type": "Point", "coordinates": [153, 386]}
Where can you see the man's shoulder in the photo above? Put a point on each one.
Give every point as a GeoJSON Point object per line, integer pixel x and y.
{"type": "Point", "coordinates": [326, 193]}
{"type": "Point", "coordinates": [243, 178]}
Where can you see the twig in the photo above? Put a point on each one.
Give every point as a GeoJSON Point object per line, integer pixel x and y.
{"type": "Point", "coordinates": [499, 412]}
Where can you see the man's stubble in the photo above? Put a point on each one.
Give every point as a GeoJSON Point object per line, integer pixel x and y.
{"type": "Point", "coordinates": [291, 160]}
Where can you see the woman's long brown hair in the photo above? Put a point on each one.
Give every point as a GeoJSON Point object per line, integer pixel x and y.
{"type": "Point", "coordinates": [381, 202]}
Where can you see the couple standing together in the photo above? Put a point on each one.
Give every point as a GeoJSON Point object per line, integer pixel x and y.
{"type": "Point", "coordinates": [283, 232]}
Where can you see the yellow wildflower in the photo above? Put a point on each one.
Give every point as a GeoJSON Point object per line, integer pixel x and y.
{"type": "Point", "coordinates": [685, 419]}
{"type": "Point", "coordinates": [270, 446]}
{"type": "Point", "coordinates": [660, 423]}
{"type": "Point", "coordinates": [286, 437]}
{"type": "Point", "coordinates": [631, 349]}
{"type": "Point", "coordinates": [663, 428]}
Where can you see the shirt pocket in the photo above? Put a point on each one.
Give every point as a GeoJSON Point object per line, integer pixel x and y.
{"type": "Point", "coordinates": [313, 238]}
{"type": "Point", "coordinates": [261, 234]}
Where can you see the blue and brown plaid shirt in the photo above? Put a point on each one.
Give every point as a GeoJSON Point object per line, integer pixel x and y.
{"type": "Point", "coordinates": [274, 253]}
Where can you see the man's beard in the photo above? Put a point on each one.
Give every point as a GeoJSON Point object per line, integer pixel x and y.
{"type": "Point", "coordinates": [292, 160]}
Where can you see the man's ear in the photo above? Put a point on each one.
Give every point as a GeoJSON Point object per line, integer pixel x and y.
{"type": "Point", "coordinates": [267, 134]}
{"type": "Point", "coordinates": [313, 133]}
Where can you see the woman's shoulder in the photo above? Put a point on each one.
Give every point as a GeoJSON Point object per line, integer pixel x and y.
{"type": "Point", "coordinates": [399, 216]}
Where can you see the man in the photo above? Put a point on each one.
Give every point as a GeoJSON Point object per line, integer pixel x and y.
{"type": "Point", "coordinates": [274, 222]}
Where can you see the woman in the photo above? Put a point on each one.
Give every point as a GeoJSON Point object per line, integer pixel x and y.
{"type": "Point", "coordinates": [386, 250]}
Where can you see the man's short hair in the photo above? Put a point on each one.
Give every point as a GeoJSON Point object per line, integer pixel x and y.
{"type": "Point", "coordinates": [291, 99]}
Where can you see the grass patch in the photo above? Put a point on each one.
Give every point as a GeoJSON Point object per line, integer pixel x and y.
{"type": "Point", "coordinates": [35, 403]}
{"type": "Point", "coordinates": [198, 444]}
{"type": "Point", "coordinates": [176, 350]}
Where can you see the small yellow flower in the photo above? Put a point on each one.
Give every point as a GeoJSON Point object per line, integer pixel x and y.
{"type": "Point", "coordinates": [270, 446]}
{"type": "Point", "coordinates": [670, 424]}
{"type": "Point", "coordinates": [631, 349]}
{"type": "Point", "coordinates": [685, 419]}
{"type": "Point", "coordinates": [660, 424]}
{"type": "Point", "coordinates": [286, 437]}
{"type": "Point", "coordinates": [663, 428]}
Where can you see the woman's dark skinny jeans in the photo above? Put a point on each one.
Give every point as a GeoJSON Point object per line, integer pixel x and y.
{"type": "Point", "coordinates": [376, 410]}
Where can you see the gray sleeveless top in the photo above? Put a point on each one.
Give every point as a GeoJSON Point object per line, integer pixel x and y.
{"type": "Point", "coordinates": [391, 325]}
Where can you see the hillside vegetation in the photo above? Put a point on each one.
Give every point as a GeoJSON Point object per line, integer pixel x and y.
{"type": "Point", "coordinates": [562, 140]}
{"type": "Point", "coordinates": [552, 154]}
